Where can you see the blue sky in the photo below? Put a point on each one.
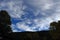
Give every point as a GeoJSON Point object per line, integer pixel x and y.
{"type": "Point", "coordinates": [31, 15]}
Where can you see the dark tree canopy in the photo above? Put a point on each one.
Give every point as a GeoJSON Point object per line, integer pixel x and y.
{"type": "Point", "coordinates": [55, 25]}
{"type": "Point", "coordinates": [4, 17]}
{"type": "Point", "coordinates": [5, 21]}
{"type": "Point", "coordinates": [55, 32]}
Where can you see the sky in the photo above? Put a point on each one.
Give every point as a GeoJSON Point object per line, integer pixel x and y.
{"type": "Point", "coordinates": [31, 15]}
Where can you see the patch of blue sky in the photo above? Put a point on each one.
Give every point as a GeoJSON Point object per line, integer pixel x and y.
{"type": "Point", "coordinates": [14, 21]}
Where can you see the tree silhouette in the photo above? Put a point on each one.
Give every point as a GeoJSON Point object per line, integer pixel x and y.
{"type": "Point", "coordinates": [55, 30]}
{"type": "Point", "coordinates": [53, 25]}
{"type": "Point", "coordinates": [5, 23]}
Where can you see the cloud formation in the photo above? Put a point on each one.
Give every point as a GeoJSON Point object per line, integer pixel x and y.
{"type": "Point", "coordinates": [13, 7]}
{"type": "Point", "coordinates": [36, 15]}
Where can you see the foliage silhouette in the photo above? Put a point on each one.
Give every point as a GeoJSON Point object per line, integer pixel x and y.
{"type": "Point", "coordinates": [5, 23]}
{"type": "Point", "coordinates": [55, 30]}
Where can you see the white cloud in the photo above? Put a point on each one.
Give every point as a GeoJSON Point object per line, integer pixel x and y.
{"type": "Point", "coordinates": [42, 23]}
{"type": "Point", "coordinates": [24, 27]}
{"type": "Point", "coordinates": [14, 8]}
{"type": "Point", "coordinates": [16, 30]}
